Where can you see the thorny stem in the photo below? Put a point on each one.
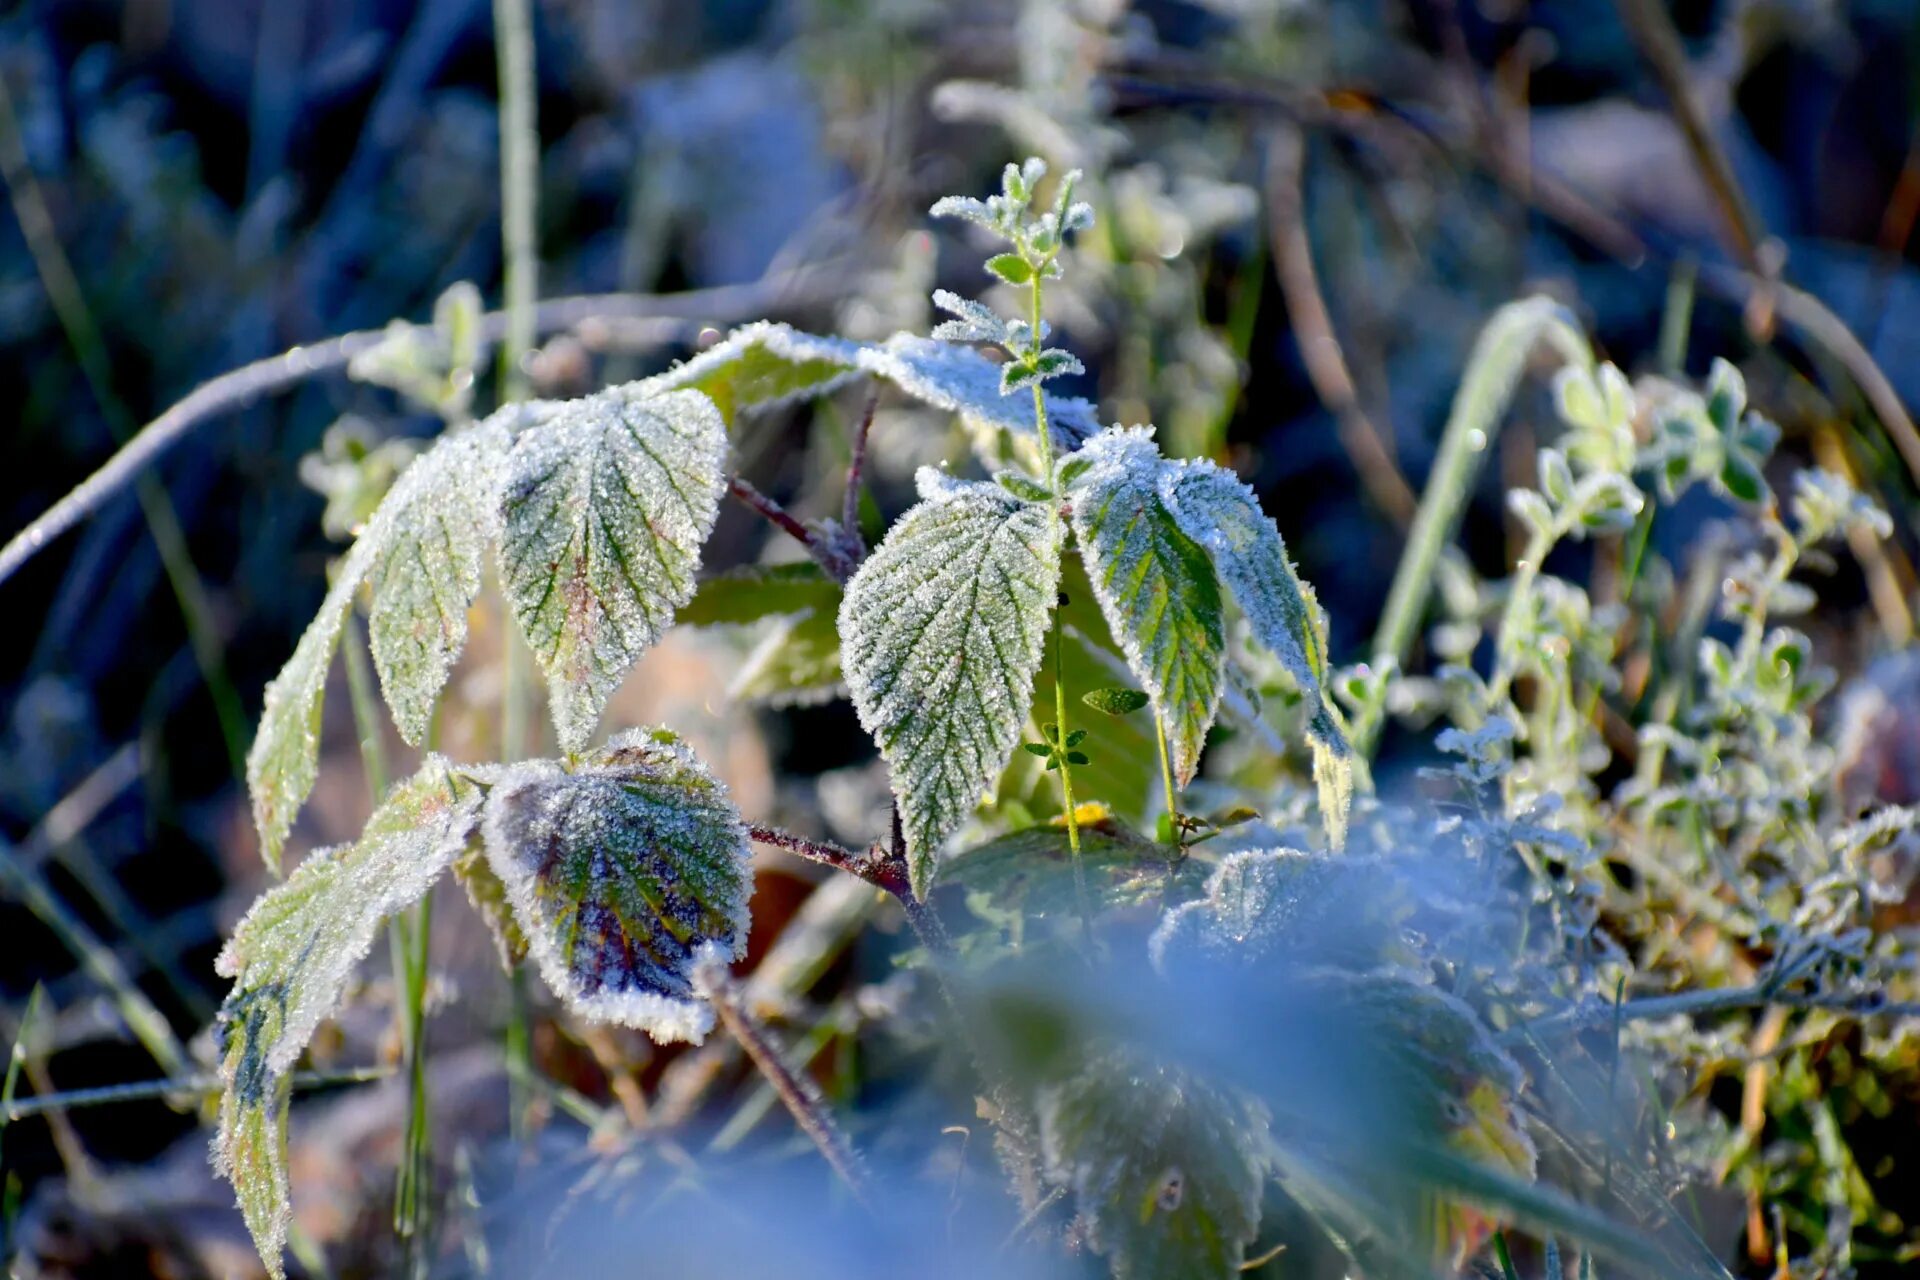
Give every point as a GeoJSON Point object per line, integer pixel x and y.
{"type": "Point", "coordinates": [799, 1094]}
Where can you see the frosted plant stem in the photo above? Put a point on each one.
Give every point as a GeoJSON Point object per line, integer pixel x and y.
{"type": "Point", "coordinates": [825, 555]}
{"type": "Point", "coordinates": [878, 869]}
{"type": "Point", "coordinates": [238, 388]}
{"type": "Point", "coordinates": [798, 1093]}
{"type": "Point", "coordinates": [1053, 535]}
{"type": "Point", "coordinates": [1519, 601]}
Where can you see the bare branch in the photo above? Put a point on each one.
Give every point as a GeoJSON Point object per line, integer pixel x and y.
{"type": "Point", "coordinates": [241, 387]}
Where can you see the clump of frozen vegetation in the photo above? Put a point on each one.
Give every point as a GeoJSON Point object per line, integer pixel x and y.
{"type": "Point", "coordinates": [1683, 890]}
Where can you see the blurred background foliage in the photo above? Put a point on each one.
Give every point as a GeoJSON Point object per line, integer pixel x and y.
{"type": "Point", "coordinates": [1306, 211]}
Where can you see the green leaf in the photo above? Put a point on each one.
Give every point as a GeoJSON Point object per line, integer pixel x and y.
{"type": "Point", "coordinates": [606, 507]}
{"type": "Point", "coordinates": [433, 534]}
{"type": "Point", "coordinates": [1030, 872]}
{"type": "Point", "coordinates": [966, 383]}
{"type": "Point", "coordinates": [1115, 701]}
{"type": "Point", "coordinates": [1334, 766]}
{"type": "Point", "coordinates": [1216, 510]}
{"type": "Point", "coordinates": [427, 570]}
{"type": "Point", "coordinates": [285, 756]}
{"type": "Point", "coordinates": [1010, 267]}
{"type": "Point", "coordinates": [796, 664]}
{"type": "Point", "coordinates": [1155, 585]}
{"type": "Point", "coordinates": [1022, 487]}
{"type": "Point", "coordinates": [763, 366]}
{"type": "Point", "coordinates": [290, 958]}
{"type": "Point", "coordinates": [942, 630]}
{"type": "Point", "coordinates": [623, 870]}
{"type": "Point", "coordinates": [1167, 1170]}
{"type": "Point", "coordinates": [756, 592]}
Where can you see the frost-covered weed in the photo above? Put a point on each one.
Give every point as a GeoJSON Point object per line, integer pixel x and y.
{"type": "Point", "coordinates": [1317, 1012]}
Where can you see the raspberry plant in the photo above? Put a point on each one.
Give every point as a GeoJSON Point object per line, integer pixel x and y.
{"type": "Point", "coordinates": [1432, 972]}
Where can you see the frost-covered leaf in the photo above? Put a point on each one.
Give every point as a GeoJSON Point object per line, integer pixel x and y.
{"type": "Point", "coordinates": [291, 957]}
{"type": "Point", "coordinates": [1155, 585]}
{"type": "Point", "coordinates": [285, 756]}
{"type": "Point", "coordinates": [942, 630]}
{"type": "Point", "coordinates": [763, 366]}
{"type": "Point", "coordinates": [421, 551]}
{"type": "Point", "coordinates": [1115, 701]}
{"type": "Point", "coordinates": [972, 322]}
{"type": "Point", "coordinates": [1167, 1170]}
{"type": "Point", "coordinates": [620, 869]}
{"type": "Point", "coordinates": [1252, 899]}
{"type": "Point", "coordinates": [433, 533]}
{"type": "Point", "coordinates": [606, 507]}
{"type": "Point", "coordinates": [1222, 514]}
{"type": "Point", "coordinates": [962, 381]}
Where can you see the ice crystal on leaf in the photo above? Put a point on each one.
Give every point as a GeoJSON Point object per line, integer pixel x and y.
{"type": "Point", "coordinates": [941, 631]}
{"type": "Point", "coordinates": [291, 957]}
{"type": "Point", "coordinates": [763, 366]}
{"type": "Point", "coordinates": [619, 868]}
{"type": "Point", "coordinates": [1252, 898]}
{"type": "Point", "coordinates": [1155, 586]}
{"type": "Point", "coordinates": [422, 553]}
{"type": "Point", "coordinates": [432, 556]}
{"type": "Point", "coordinates": [1167, 1170]}
{"type": "Point", "coordinates": [1215, 509]}
{"type": "Point", "coordinates": [962, 381]}
{"type": "Point", "coordinates": [606, 507]}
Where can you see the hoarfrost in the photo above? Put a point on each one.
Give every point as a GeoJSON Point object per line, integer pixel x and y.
{"type": "Point", "coordinates": [606, 507]}
{"type": "Point", "coordinates": [942, 630]}
{"type": "Point", "coordinates": [1154, 584]}
{"type": "Point", "coordinates": [618, 870]}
